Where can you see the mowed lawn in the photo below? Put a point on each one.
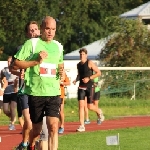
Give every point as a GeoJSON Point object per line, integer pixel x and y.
{"type": "Point", "coordinates": [129, 139]}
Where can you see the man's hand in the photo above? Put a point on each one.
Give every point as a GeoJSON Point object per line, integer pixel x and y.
{"type": "Point", "coordinates": [86, 79]}
{"type": "Point", "coordinates": [42, 56]}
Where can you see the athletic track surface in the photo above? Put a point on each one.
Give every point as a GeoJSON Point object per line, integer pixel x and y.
{"type": "Point", "coordinates": [10, 139]}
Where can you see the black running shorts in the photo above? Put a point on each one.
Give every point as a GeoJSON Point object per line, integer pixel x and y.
{"type": "Point", "coordinates": [7, 98]}
{"type": "Point", "coordinates": [43, 105]}
{"type": "Point", "coordinates": [24, 101]}
{"type": "Point", "coordinates": [96, 96]}
{"type": "Point", "coordinates": [86, 93]}
{"type": "Point", "coordinates": [19, 109]}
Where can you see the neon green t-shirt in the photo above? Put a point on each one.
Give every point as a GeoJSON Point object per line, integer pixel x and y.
{"type": "Point", "coordinates": [97, 89]}
{"type": "Point", "coordinates": [37, 84]}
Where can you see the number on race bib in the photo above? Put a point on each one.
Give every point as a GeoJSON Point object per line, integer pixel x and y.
{"type": "Point", "coordinates": [48, 70]}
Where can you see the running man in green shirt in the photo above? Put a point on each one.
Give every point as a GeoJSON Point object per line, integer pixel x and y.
{"type": "Point", "coordinates": [96, 98]}
{"type": "Point", "coordinates": [42, 76]}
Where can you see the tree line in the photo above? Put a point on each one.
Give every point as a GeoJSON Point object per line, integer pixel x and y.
{"type": "Point", "coordinates": [78, 22]}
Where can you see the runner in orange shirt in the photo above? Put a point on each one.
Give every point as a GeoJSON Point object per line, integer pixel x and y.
{"type": "Point", "coordinates": [64, 82]}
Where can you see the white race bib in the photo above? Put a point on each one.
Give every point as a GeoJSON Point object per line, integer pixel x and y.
{"type": "Point", "coordinates": [47, 70]}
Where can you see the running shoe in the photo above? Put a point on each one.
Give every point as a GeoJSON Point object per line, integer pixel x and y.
{"type": "Point", "coordinates": [61, 130]}
{"type": "Point", "coordinates": [21, 147]}
{"type": "Point", "coordinates": [12, 127]}
{"type": "Point", "coordinates": [87, 122]}
{"type": "Point", "coordinates": [81, 129]}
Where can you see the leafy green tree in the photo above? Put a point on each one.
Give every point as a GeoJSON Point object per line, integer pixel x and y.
{"type": "Point", "coordinates": [78, 22]}
{"type": "Point", "coordinates": [82, 22]}
{"type": "Point", "coordinates": [128, 45]}
{"type": "Point", "coordinates": [14, 16]}
{"type": "Point", "coordinates": [3, 56]}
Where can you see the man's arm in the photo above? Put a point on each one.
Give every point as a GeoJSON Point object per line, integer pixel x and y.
{"type": "Point", "coordinates": [77, 78]}
{"type": "Point", "coordinates": [24, 55]}
{"type": "Point", "coordinates": [95, 69]}
{"type": "Point", "coordinates": [4, 84]}
{"type": "Point", "coordinates": [23, 64]}
{"type": "Point", "coordinates": [14, 71]}
{"type": "Point", "coordinates": [97, 72]}
{"type": "Point", "coordinates": [66, 81]}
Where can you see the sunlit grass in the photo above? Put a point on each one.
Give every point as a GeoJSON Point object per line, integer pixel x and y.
{"type": "Point", "coordinates": [130, 139]}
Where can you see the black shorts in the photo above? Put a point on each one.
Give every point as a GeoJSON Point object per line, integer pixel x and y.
{"type": "Point", "coordinates": [23, 101]}
{"type": "Point", "coordinates": [86, 93]}
{"type": "Point", "coordinates": [40, 105]}
{"type": "Point", "coordinates": [19, 109]}
{"type": "Point", "coordinates": [96, 96]}
{"type": "Point", "coordinates": [7, 98]}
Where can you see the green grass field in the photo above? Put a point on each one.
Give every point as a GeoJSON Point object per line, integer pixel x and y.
{"type": "Point", "coordinates": [130, 138]}
{"type": "Point", "coordinates": [112, 107]}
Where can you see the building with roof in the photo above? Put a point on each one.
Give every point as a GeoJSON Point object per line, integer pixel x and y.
{"type": "Point", "coordinates": [93, 49]}
{"type": "Point", "coordinates": [142, 13]}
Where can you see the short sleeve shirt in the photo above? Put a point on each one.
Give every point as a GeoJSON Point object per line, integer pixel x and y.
{"type": "Point", "coordinates": [35, 84]}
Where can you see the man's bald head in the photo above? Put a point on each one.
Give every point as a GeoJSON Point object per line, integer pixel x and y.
{"type": "Point", "coordinates": [48, 28]}
{"type": "Point", "coordinates": [46, 20]}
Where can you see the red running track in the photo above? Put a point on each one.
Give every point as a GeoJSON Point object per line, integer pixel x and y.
{"type": "Point", "coordinates": [9, 139]}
